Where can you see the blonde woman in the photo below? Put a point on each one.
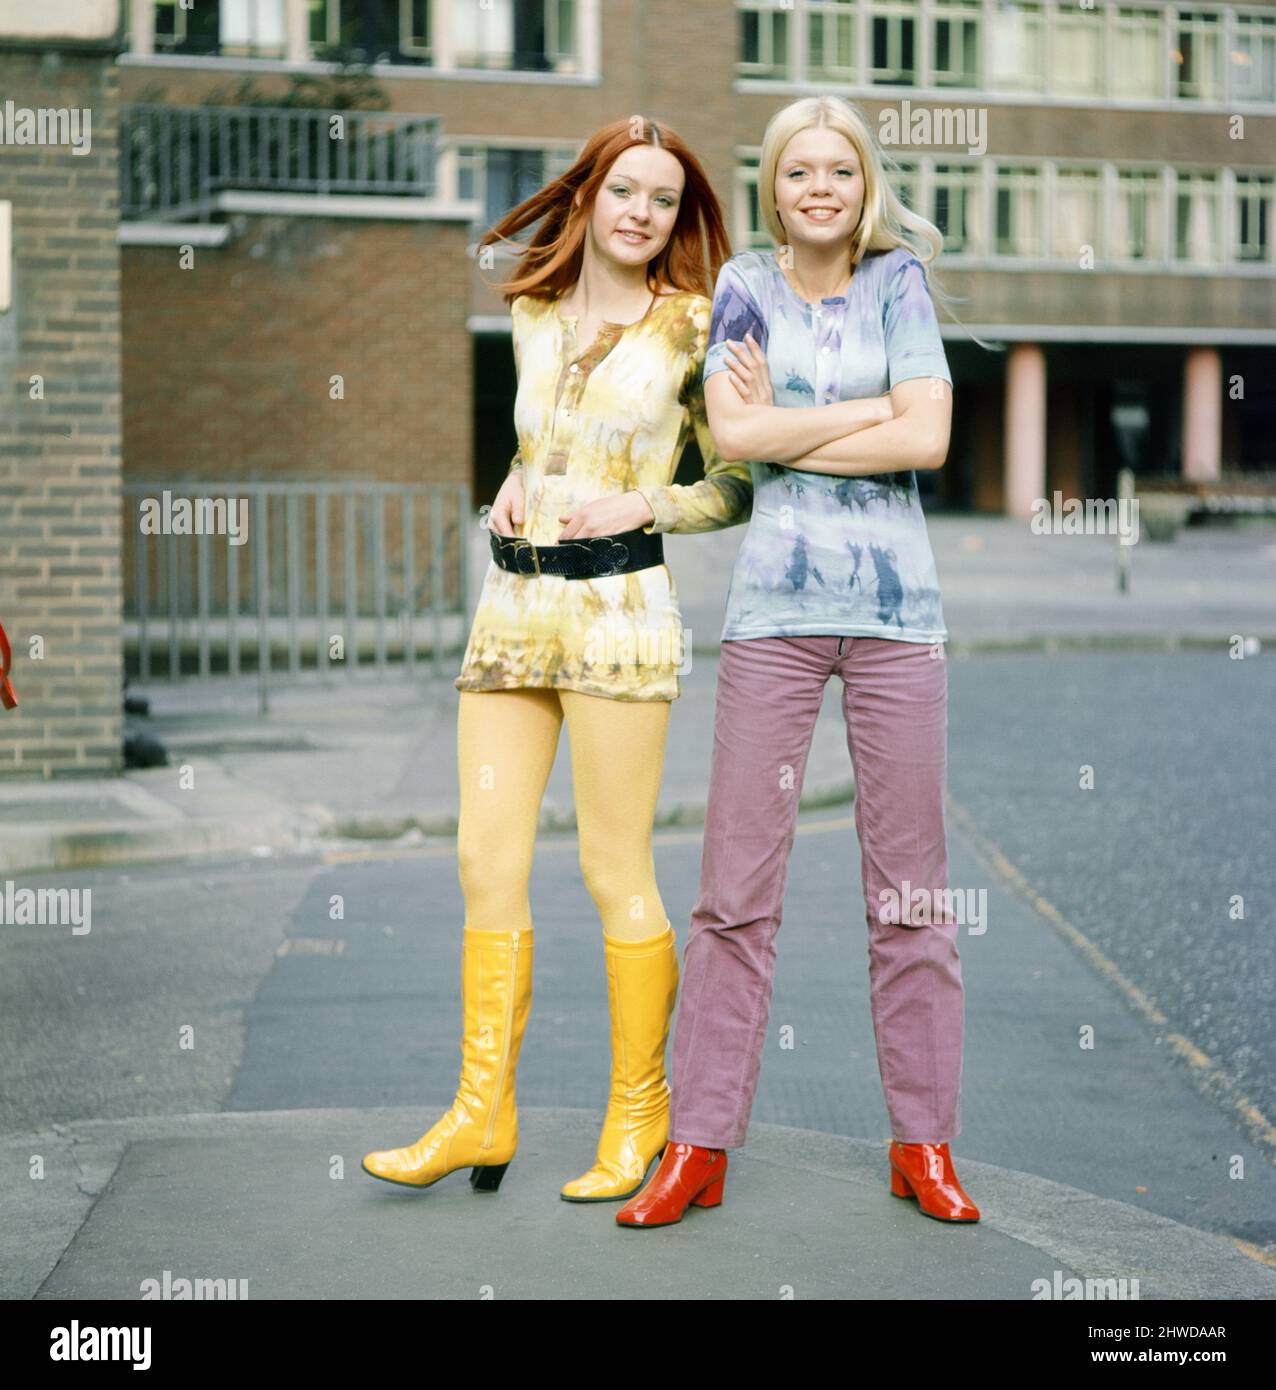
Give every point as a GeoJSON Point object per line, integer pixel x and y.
{"type": "Point", "coordinates": [578, 621]}
{"type": "Point", "coordinates": [826, 369]}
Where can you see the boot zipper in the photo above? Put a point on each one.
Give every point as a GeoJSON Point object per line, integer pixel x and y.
{"type": "Point", "coordinates": [505, 1043]}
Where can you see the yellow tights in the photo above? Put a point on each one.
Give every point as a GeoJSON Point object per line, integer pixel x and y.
{"type": "Point", "coordinates": [506, 741]}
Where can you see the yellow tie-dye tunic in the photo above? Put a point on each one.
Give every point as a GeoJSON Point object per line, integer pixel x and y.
{"type": "Point", "coordinates": [594, 422]}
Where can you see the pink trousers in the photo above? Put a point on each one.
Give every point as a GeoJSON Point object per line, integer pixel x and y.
{"type": "Point", "coordinates": [895, 701]}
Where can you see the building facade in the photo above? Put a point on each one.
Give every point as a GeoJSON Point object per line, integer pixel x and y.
{"type": "Point", "coordinates": [1103, 175]}
{"type": "Point", "coordinates": [60, 426]}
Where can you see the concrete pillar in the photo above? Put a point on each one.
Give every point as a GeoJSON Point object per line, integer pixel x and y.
{"type": "Point", "coordinates": [1025, 456]}
{"type": "Point", "coordinates": [142, 23]}
{"type": "Point", "coordinates": [442, 46]}
{"type": "Point", "coordinates": [297, 31]}
{"type": "Point", "coordinates": [1202, 413]}
{"type": "Point", "coordinates": [588, 23]}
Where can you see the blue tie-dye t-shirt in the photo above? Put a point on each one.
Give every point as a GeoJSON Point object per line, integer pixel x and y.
{"type": "Point", "coordinates": [826, 554]}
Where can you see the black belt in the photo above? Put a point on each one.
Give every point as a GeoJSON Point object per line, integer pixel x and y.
{"type": "Point", "coordinates": [591, 557]}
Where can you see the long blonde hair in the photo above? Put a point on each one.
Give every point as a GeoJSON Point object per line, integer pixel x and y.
{"type": "Point", "coordinates": [884, 222]}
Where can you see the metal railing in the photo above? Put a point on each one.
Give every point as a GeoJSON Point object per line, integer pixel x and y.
{"type": "Point", "coordinates": [174, 160]}
{"type": "Point", "coordinates": [231, 577]}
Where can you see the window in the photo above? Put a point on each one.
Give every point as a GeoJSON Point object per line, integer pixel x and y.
{"type": "Point", "coordinates": [830, 40]}
{"type": "Point", "coordinates": [525, 35]}
{"type": "Point", "coordinates": [1076, 52]}
{"type": "Point", "coordinates": [892, 50]}
{"type": "Point", "coordinates": [1138, 61]}
{"type": "Point", "coordinates": [561, 22]}
{"type": "Point", "coordinates": [252, 28]}
{"type": "Point", "coordinates": [369, 29]}
{"type": "Point", "coordinates": [957, 195]}
{"type": "Point", "coordinates": [750, 235]}
{"type": "Point", "coordinates": [1138, 232]}
{"type": "Point", "coordinates": [1019, 211]}
{"type": "Point", "coordinates": [324, 22]}
{"type": "Point", "coordinates": [1253, 217]}
{"type": "Point", "coordinates": [1253, 58]}
{"type": "Point", "coordinates": [1016, 49]}
{"type": "Point", "coordinates": [1076, 218]}
{"type": "Point", "coordinates": [484, 35]}
{"type": "Point", "coordinates": [954, 58]}
{"type": "Point", "coordinates": [501, 178]}
{"type": "Point", "coordinates": [905, 179]}
{"type": "Point", "coordinates": [185, 31]}
{"type": "Point", "coordinates": [1196, 219]}
{"type": "Point", "coordinates": [414, 28]}
{"type": "Point", "coordinates": [1198, 56]}
{"type": "Point", "coordinates": [764, 39]}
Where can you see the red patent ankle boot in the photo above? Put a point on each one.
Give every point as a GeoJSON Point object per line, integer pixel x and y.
{"type": "Point", "coordinates": [687, 1176]}
{"type": "Point", "coordinates": [925, 1172]}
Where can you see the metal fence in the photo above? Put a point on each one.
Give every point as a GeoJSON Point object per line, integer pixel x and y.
{"type": "Point", "coordinates": [174, 160]}
{"type": "Point", "coordinates": [233, 577]}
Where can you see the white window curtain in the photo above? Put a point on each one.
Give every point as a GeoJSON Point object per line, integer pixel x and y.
{"type": "Point", "coordinates": [1027, 219]}
{"type": "Point", "coordinates": [978, 232]}
{"type": "Point", "coordinates": [1077, 55]}
{"type": "Point", "coordinates": [1140, 220]}
{"type": "Point", "coordinates": [1197, 203]}
{"type": "Point", "coordinates": [1254, 59]}
{"type": "Point", "coordinates": [1014, 49]}
{"type": "Point", "coordinates": [1137, 67]}
{"type": "Point", "coordinates": [1199, 39]}
{"type": "Point", "coordinates": [253, 23]}
{"type": "Point", "coordinates": [1076, 222]}
{"type": "Point", "coordinates": [479, 29]}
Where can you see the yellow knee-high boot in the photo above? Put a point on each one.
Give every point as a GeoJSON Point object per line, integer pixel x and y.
{"type": "Point", "coordinates": [481, 1128]}
{"type": "Point", "coordinates": [642, 985]}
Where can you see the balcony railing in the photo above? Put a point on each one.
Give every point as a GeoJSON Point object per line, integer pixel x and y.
{"type": "Point", "coordinates": [175, 160]}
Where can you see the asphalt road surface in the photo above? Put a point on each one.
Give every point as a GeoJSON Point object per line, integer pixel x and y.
{"type": "Point", "coordinates": [1109, 908]}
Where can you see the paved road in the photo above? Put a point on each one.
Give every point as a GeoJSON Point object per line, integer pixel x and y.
{"type": "Point", "coordinates": [1143, 866]}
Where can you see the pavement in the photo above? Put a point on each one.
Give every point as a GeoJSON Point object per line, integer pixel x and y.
{"type": "Point", "coordinates": [371, 754]}
{"type": "Point", "coordinates": [276, 1198]}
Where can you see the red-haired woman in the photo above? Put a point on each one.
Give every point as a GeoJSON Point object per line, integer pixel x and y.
{"type": "Point", "coordinates": [578, 621]}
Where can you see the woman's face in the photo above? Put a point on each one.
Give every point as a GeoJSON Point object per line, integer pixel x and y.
{"type": "Point", "coordinates": [637, 205]}
{"type": "Point", "coordinates": [819, 187]}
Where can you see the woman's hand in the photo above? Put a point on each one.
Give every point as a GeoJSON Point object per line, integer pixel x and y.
{"type": "Point", "coordinates": [507, 510]}
{"type": "Point", "coordinates": [607, 516]}
{"type": "Point", "coordinates": [750, 374]}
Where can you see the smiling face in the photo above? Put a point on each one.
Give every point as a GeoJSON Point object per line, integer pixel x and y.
{"type": "Point", "coordinates": [819, 187]}
{"type": "Point", "coordinates": [637, 205]}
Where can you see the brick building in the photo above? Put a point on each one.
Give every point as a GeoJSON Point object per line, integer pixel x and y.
{"type": "Point", "coordinates": [60, 390]}
{"type": "Point", "coordinates": [1110, 231]}
{"type": "Point", "coordinates": [1107, 214]}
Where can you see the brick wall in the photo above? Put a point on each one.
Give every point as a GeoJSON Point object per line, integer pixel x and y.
{"type": "Point", "coordinates": [227, 365]}
{"type": "Point", "coordinates": [60, 455]}
{"type": "Point", "coordinates": [230, 358]}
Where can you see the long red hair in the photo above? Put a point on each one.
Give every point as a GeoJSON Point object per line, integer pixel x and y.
{"type": "Point", "coordinates": [551, 263]}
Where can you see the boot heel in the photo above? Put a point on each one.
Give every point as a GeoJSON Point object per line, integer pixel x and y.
{"type": "Point", "coordinates": [899, 1184]}
{"type": "Point", "coordinates": [712, 1195]}
{"type": "Point", "coordinates": [488, 1179]}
